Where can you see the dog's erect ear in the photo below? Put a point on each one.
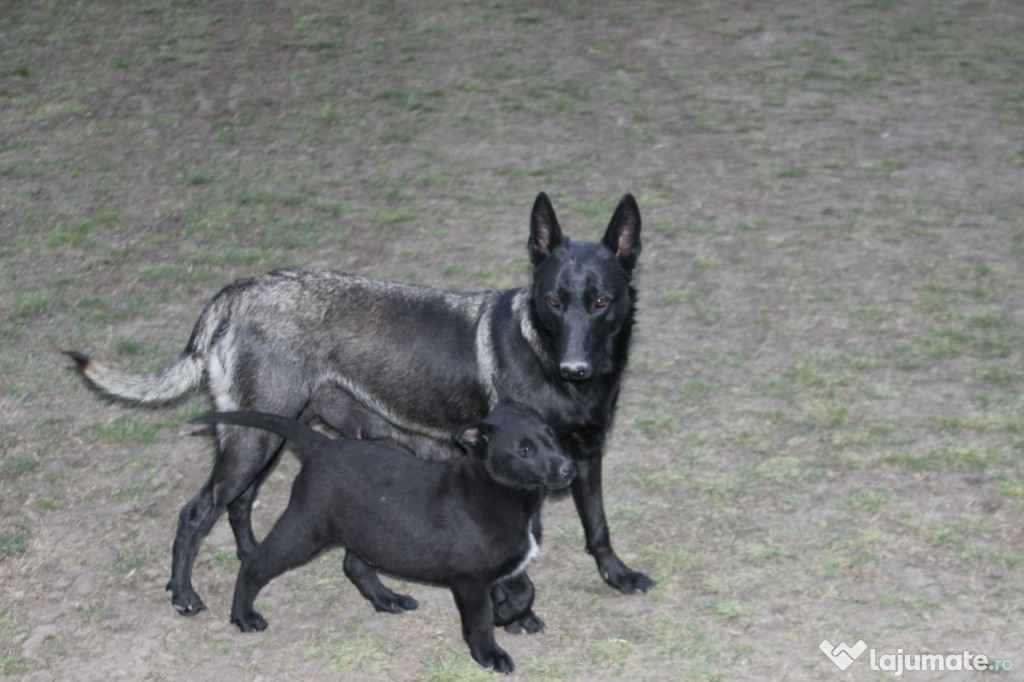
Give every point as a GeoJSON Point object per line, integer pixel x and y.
{"type": "Point", "coordinates": [545, 234]}
{"type": "Point", "coordinates": [623, 234]}
{"type": "Point", "coordinates": [473, 436]}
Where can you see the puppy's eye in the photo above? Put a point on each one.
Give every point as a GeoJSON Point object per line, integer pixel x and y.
{"type": "Point", "coordinates": [554, 302]}
{"type": "Point", "coordinates": [525, 450]}
{"type": "Point", "coordinates": [601, 302]}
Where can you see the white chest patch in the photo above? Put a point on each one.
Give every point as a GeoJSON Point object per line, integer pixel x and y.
{"type": "Point", "coordinates": [531, 553]}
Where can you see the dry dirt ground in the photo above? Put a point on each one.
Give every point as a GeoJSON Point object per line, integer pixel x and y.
{"type": "Point", "coordinates": [821, 432]}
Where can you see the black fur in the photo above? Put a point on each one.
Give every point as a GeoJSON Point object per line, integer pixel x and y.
{"type": "Point", "coordinates": [463, 523]}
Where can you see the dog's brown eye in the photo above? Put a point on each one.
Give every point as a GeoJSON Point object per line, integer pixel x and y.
{"type": "Point", "coordinates": [601, 302]}
{"type": "Point", "coordinates": [553, 302]}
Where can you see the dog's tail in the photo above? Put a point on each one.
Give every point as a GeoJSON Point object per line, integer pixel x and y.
{"type": "Point", "coordinates": [184, 374]}
{"type": "Point", "coordinates": [301, 436]}
{"type": "Point", "coordinates": [175, 380]}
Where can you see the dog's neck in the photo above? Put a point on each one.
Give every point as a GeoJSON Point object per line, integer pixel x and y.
{"type": "Point", "coordinates": [489, 495]}
{"type": "Point", "coordinates": [522, 306]}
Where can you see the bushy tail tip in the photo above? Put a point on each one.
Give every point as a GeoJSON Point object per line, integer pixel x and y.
{"type": "Point", "coordinates": [81, 359]}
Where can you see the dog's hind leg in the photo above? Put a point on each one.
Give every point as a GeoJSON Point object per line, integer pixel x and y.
{"type": "Point", "coordinates": [291, 543]}
{"type": "Point", "coordinates": [240, 514]}
{"type": "Point", "coordinates": [244, 459]}
{"type": "Point", "coordinates": [586, 493]}
{"type": "Point", "coordinates": [194, 521]}
{"type": "Point", "coordinates": [365, 578]}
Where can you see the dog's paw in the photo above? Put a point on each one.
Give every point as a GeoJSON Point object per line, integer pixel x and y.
{"type": "Point", "coordinates": [628, 582]}
{"type": "Point", "coordinates": [250, 622]}
{"type": "Point", "coordinates": [496, 660]}
{"type": "Point", "coordinates": [406, 603]}
{"type": "Point", "coordinates": [187, 602]}
{"type": "Point", "coordinates": [527, 624]}
{"type": "Point", "coordinates": [395, 603]}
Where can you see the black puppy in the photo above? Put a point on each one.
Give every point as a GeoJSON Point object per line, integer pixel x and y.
{"type": "Point", "coordinates": [463, 523]}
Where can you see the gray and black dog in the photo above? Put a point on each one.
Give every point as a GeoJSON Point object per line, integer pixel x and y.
{"type": "Point", "coordinates": [462, 523]}
{"type": "Point", "coordinates": [379, 359]}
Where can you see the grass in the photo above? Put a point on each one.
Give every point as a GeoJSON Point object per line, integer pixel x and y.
{"type": "Point", "coordinates": [823, 397]}
{"type": "Point", "coordinates": [125, 432]}
{"type": "Point", "coordinates": [13, 544]}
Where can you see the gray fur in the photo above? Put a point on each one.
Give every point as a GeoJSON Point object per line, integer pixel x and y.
{"type": "Point", "coordinates": [307, 320]}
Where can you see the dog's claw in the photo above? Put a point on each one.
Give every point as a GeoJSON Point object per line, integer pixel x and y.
{"type": "Point", "coordinates": [628, 582]}
{"type": "Point", "coordinates": [250, 622]}
{"type": "Point", "coordinates": [635, 583]}
{"type": "Point", "coordinates": [496, 660]}
{"type": "Point", "coordinates": [398, 603]}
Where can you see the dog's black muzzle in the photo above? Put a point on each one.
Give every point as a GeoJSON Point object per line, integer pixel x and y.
{"type": "Point", "coordinates": [561, 475]}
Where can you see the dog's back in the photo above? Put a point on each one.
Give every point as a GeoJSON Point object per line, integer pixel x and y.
{"type": "Point", "coordinates": [464, 523]}
{"type": "Point", "coordinates": [416, 518]}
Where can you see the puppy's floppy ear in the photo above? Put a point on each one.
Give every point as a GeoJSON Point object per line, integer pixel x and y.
{"type": "Point", "coordinates": [623, 234]}
{"type": "Point", "coordinates": [473, 437]}
{"type": "Point", "coordinates": [545, 233]}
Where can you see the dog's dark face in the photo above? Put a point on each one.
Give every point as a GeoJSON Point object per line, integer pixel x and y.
{"type": "Point", "coordinates": [518, 449]}
{"type": "Point", "coordinates": [581, 292]}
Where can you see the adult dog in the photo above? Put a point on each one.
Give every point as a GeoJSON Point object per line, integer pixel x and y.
{"type": "Point", "coordinates": [408, 364]}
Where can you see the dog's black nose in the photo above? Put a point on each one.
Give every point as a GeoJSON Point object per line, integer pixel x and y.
{"type": "Point", "coordinates": [574, 371]}
{"type": "Point", "coordinates": [566, 473]}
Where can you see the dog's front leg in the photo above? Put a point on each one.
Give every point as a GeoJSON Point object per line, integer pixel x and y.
{"type": "Point", "coordinates": [474, 602]}
{"type": "Point", "coordinates": [586, 493]}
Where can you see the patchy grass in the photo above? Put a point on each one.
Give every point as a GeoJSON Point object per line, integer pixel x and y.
{"type": "Point", "coordinates": [819, 435]}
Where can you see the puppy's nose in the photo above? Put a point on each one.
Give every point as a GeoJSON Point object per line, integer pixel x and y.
{"type": "Point", "coordinates": [574, 371]}
{"type": "Point", "coordinates": [568, 469]}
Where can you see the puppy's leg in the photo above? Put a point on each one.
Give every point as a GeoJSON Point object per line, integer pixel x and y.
{"type": "Point", "coordinates": [292, 542]}
{"type": "Point", "coordinates": [365, 578]}
{"type": "Point", "coordinates": [513, 598]}
{"type": "Point", "coordinates": [474, 602]}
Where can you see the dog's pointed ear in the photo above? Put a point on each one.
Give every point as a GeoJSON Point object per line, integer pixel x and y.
{"type": "Point", "coordinates": [545, 233]}
{"type": "Point", "coordinates": [623, 234]}
{"type": "Point", "coordinates": [472, 437]}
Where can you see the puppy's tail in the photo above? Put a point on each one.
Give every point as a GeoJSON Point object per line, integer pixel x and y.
{"type": "Point", "coordinates": [303, 437]}
{"type": "Point", "coordinates": [184, 374]}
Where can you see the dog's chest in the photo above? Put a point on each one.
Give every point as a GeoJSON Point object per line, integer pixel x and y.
{"type": "Point", "coordinates": [531, 552]}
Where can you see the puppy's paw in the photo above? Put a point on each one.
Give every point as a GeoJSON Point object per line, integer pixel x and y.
{"type": "Point", "coordinates": [406, 603]}
{"type": "Point", "coordinates": [497, 660]}
{"type": "Point", "coordinates": [395, 603]}
{"type": "Point", "coordinates": [250, 622]}
{"type": "Point", "coordinates": [527, 624]}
